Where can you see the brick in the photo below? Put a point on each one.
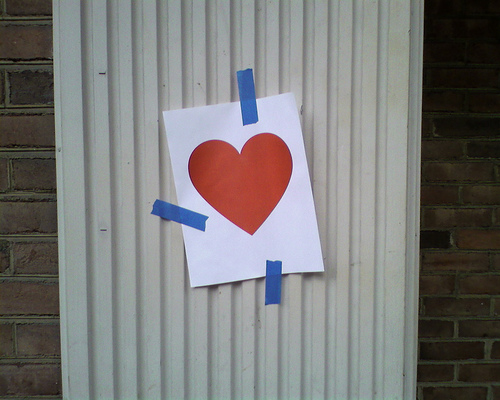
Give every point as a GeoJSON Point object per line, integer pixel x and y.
{"type": "Point", "coordinates": [454, 261]}
{"type": "Point", "coordinates": [453, 172]}
{"type": "Point", "coordinates": [467, 127]}
{"type": "Point", "coordinates": [28, 298]}
{"type": "Point", "coordinates": [33, 174]}
{"type": "Point", "coordinates": [481, 194]}
{"type": "Point", "coordinates": [484, 102]}
{"type": "Point", "coordinates": [467, 78]}
{"type": "Point", "coordinates": [435, 328]}
{"type": "Point", "coordinates": [437, 284]}
{"type": "Point", "coordinates": [27, 130]}
{"type": "Point", "coordinates": [442, 150]}
{"type": "Point", "coordinates": [487, 53]}
{"type": "Point", "coordinates": [31, 87]}
{"type": "Point", "coordinates": [465, 28]}
{"type": "Point", "coordinates": [479, 373]}
{"type": "Point", "coordinates": [25, 42]}
{"type": "Point", "coordinates": [438, 195]}
{"type": "Point", "coordinates": [448, 306]}
{"type": "Point", "coordinates": [435, 240]}
{"type": "Point", "coordinates": [4, 174]}
{"type": "Point", "coordinates": [427, 127]}
{"type": "Point", "coordinates": [496, 392]}
{"type": "Point", "coordinates": [433, 101]}
{"type": "Point", "coordinates": [496, 309]}
{"type": "Point", "coordinates": [447, 351]}
{"type": "Point", "coordinates": [478, 239]}
{"type": "Point", "coordinates": [2, 88]}
{"type": "Point", "coordinates": [4, 255]}
{"type": "Point", "coordinates": [450, 52]}
{"type": "Point", "coordinates": [483, 149]}
{"type": "Point", "coordinates": [30, 379]}
{"type": "Point", "coordinates": [480, 284]}
{"type": "Point", "coordinates": [482, 6]}
{"type": "Point", "coordinates": [35, 258]}
{"type": "Point", "coordinates": [496, 261]}
{"type": "Point", "coordinates": [6, 340]}
{"type": "Point", "coordinates": [455, 393]}
{"type": "Point", "coordinates": [456, 217]}
{"type": "Point", "coordinates": [435, 373]}
{"type": "Point", "coordinates": [28, 7]}
{"type": "Point", "coordinates": [495, 350]}
{"type": "Point", "coordinates": [442, 7]}
{"type": "Point", "coordinates": [26, 217]}
{"type": "Point", "coordinates": [38, 339]}
{"type": "Point", "coordinates": [479, 328]}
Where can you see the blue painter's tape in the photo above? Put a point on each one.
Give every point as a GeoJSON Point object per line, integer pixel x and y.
{"type": "Point", "coordinates": [178, 214]}
{"type": "Point", "coordinates": [248, 102]}
{"type": "Point", "coordinates": [273, 282]}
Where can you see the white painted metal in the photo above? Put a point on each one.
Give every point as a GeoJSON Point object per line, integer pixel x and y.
{"type": "Point", "coordinates": [131, 325]}
{"type": "Point", "coordinates": [72, 201]}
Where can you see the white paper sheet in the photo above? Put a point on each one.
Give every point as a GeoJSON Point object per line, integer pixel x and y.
{"type": "Point", "coordinates": [225, 252]}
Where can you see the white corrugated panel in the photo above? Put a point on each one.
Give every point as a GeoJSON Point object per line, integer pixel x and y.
{"type": "Point", "coordinates": [131, 325]}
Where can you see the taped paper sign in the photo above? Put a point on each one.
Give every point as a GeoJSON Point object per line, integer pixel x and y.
{"type": "Point", "coordinates": [252, 183]}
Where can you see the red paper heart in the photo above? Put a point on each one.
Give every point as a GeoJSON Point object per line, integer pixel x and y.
{"type": "Point", "coordinates": [245, 188]}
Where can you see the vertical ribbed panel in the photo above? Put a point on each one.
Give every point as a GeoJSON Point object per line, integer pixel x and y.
{"type": "Point", "coordinates": [131, 325]}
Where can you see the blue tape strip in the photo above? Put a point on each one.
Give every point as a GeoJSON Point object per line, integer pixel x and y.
{"type": "Point", "coordinates": [248, 102]}
{"type": "Point", "coordinates": [273, 282]}
{"type": "Point", "coordinates": [179, 214]}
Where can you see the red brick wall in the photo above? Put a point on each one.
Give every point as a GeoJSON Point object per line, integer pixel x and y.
{"type": "Point", "coordinates": [29, 305]}
{"type": "Point", "coordinates": [460, 249]}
